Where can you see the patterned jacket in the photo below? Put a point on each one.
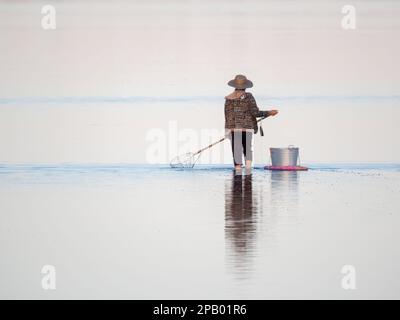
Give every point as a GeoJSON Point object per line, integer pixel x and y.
{"type": "Point", "coordinates": [241, 111]}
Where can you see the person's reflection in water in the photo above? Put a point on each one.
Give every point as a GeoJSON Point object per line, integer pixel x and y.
{"type": "Point", "coordinates": [240, 222]}
{"type": "Point", "coordinates": [252, 224]}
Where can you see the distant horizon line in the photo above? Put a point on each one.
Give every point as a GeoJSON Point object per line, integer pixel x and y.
{"type": "Point", "coordinates": [198, 98]}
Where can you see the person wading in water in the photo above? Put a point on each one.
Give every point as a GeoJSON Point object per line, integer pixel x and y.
{"type": "Point", "coordinates": [241, 113]}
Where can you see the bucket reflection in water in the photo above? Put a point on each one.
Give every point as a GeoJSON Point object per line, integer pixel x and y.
{"type": "Point", "coordinates": [282, 217]}
{"type": "Point", "coordinates": [284, 200]}
{"type": "Point", "coordinates": [284, 187]}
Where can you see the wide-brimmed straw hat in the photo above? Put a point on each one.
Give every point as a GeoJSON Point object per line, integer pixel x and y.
{"type": "Point", "coordinates": [240, 82]}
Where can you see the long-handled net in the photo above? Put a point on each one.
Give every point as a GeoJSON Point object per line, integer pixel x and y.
{"type": "Point", "coordinates": [189, 159]}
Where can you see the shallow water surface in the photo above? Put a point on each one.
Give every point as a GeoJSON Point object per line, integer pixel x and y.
{"type": "Point", "coordinates": [130, 231]}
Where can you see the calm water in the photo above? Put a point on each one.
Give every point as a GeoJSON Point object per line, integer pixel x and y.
{"type": "Point", "coordinates": [121, 231]}
{"type": "Point", "coordinates": [116, 75]}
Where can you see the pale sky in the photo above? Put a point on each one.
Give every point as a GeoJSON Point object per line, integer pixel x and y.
{"type": "Point", "coordinates": [347, 82]}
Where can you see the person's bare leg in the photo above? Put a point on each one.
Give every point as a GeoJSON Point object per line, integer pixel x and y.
{"type": "Point", "coordinates": [248, 164]}
{"type": "Point", "coordinates": [248, 147]}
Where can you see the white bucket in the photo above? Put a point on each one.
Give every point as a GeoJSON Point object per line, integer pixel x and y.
{"type": "Point", "coordinates": [284, 156]}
